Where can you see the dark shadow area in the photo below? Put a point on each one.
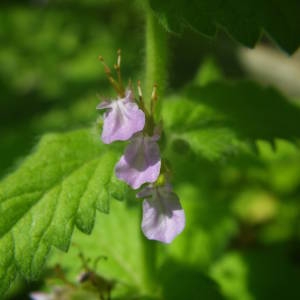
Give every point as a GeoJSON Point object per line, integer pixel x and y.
{"type": "Point", "coordinates": [184, 282]}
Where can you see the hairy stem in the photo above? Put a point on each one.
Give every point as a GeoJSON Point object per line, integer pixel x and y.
{"type": "Point", "coordinates": [150, 263]}
{"type": "Point", "coordinates": [155, 73]}
{"type": "Point", "coordinates": [156, 56]}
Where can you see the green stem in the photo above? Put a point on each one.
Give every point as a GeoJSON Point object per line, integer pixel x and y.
{"type": "Point", "coordinates": [156, 73]}
{"type": "Point", "coordinates": [150, 263]}
{"type": "Point", "coordinates": [156, 56]}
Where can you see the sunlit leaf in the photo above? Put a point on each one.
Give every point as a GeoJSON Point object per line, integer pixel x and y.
{"type": "Point", "coordinates": [217, 119]}
{"type": "Point", "coordinates": [59, 186]}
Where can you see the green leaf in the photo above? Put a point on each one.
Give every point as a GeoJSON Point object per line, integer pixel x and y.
{"type": "Point", "coordinates": [243, 20]}
{"type": "Point", "coordinates": [217, 120]}
{"type": "Point", "coordinates": [122, 243]}
{"type": "Point", "coordinates": [190, 279]}
{"type": "Point", "coordinates": [252, 111]}
{"type": "Point", "coordinates": [59, 186]}
{"type": "Point", "coordinates": [119, 238]}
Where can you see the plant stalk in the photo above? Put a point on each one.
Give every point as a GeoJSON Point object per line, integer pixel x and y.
{"type": "Point", "coordinates": [156, 56]}
{"type": "Point", "coordinates": [155, 73]}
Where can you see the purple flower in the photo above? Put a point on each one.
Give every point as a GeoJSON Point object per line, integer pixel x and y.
{"type": "Point", "coordinates": [122, 119]}
{"type": "Point", "coordinates": [163, 216]}
{"type": "Point", "coordinates": [141, 161]}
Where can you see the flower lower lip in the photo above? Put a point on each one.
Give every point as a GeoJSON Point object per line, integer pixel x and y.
{"type": "Point", "coordinates": [163, 216]}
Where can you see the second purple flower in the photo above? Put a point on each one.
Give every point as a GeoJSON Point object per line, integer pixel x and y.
{"type": "Point", "coordinates": [141, 161]}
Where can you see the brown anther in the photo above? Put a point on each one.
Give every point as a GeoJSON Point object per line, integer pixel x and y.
{"type": "Point", "coordinates": [106, 68]}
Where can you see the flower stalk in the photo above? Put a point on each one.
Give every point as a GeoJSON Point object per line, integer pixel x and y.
{"type": "Point", "coordinates": [137, 120]}
{"type": "Point", "coordinates": [156, 57]}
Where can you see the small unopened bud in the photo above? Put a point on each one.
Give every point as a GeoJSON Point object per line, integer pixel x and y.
{"type": "Point", "coordinates": [161, 180]}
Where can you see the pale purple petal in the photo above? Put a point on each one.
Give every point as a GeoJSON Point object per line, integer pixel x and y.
{"type": "Point", "coordinates": [40, 296]}
{"type": "Point", "coordinates": [163, 216]}
{"type": "Point", "coordinates": [122, 119]}
{"type": "Point", "coordinates": [140, 163]}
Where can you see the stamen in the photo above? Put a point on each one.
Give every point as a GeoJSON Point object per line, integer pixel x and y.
{"type": "Point", "coordinates": [119, 58]}
{"type": "Point", "coordinates": [154, 99]}
{"type": "Point", "coordinates": [113, 82]}
{"type": "Point", "coordinates": [117, 67]}
{"type": "Point", "coordinates": [106, 68]}
{"type": "Point", "coordinates": [140, 90]}
{"type": "Point", "coordinates": [141, 100]}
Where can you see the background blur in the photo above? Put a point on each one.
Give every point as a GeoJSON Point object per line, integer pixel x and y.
{"type": "Point", "coordinates": [242, 239]}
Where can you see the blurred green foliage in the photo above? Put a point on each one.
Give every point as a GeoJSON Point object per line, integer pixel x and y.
{"type": "Point", "coordinates": [242, 239]}
{"type": "Point", "coordinates": [50, 74]}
